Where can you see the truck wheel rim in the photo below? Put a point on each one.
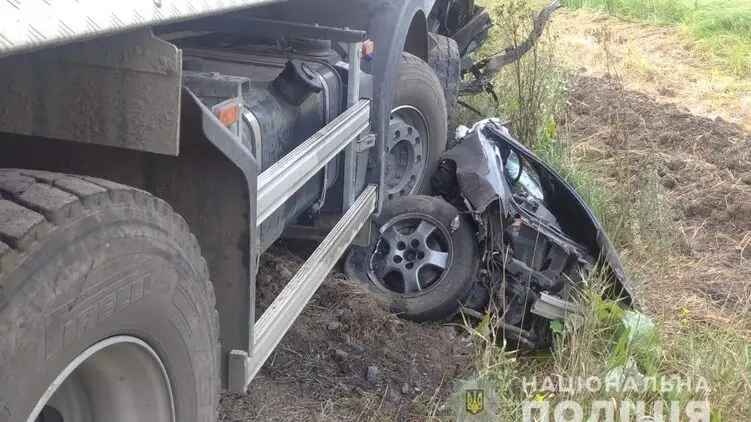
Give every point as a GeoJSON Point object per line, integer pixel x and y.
{"type": "Point", "coordinates": [406, 152]}
{"type": "Point", "coordinates": [118, 379]}
{"type": "Point", "coordinates": [412, 256]}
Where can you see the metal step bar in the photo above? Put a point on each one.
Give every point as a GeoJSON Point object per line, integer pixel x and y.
{"type": "Point", "coordinates": [277, 185]}
{"type": "Point", "coordinates": [277, 319]}
{"type": "Point", "coordinates": [280, 181]}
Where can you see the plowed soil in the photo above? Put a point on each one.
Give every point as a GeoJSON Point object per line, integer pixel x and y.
{"type": "Point", "coordinates": [704, 168]}
{"type": "Point", "coordinates": [660, 61]}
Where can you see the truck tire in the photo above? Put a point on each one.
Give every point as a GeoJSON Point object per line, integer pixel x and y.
{"type": "Point", "coordinates": [106, 308]}
{"type": "Point", "coordinates": [417, 129]}
{"type": "Point", "coordinates": [429, 238]}
{"type": "Point", "coordinates": [446, 61]}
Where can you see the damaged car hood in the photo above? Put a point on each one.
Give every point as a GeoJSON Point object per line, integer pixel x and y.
{"type": "Point", "coordinates": [479, 159]}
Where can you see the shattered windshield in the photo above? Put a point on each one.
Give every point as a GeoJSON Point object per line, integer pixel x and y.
{"type": "Point", "coordinates": [528, 183]}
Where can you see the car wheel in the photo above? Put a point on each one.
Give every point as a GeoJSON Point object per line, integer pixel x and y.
{"type": "Point", "coordinates": [425, 261]}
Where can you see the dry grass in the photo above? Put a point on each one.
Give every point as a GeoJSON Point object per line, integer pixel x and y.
{"type": "Point", "coordinates": [660, 61]}
{"type": "Point", "coordinates": [719, 28]}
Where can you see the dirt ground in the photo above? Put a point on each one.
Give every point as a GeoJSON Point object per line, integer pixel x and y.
{"type": "Point", "coordinates": [704, 170]}
{"type": "Point", "coordinates": [347, 359]}
{"type": "Point", "coordinates": [647, 97]}
{"type": "Point", "coordinates": [660, 61]}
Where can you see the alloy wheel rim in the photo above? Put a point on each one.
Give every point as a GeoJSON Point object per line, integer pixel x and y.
{"type": "Point", "coordinates": [412, 256]}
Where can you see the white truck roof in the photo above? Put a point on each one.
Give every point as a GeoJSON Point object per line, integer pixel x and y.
{"type": "Point", "coordinates": [30, 24]}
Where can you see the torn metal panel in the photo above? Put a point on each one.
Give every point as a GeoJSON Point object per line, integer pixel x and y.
{"type": "Point", "coordinates": [479, 172]}
{"type": "Point", "coordinates": [562, 215]}
{"type": "Point", "coordinates": [539, 240]}
{"type": "Point", "coordinates": [576, 218]}
{"type": "Point", "coordinates": [122, 91]}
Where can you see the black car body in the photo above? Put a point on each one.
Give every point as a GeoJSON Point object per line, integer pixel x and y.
{"type": "Point", "coordinates": [538, 237]}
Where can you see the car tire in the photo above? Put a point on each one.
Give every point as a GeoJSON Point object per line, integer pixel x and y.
{"type": "Point", "coordinates": [419, 106]}
{"type": "Point", "coordinates": [443, 298]}
{"type": "Point", "coordinates": [104, 283]}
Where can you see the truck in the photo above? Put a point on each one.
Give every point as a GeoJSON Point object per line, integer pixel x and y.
{"type": "Point", "coordinates": [152, 150]}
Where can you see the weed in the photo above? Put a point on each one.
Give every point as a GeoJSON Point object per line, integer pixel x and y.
{"type": "Point", "coordinates": [530, 91]}
{"type": "Point", "coordinates": [722, 356]}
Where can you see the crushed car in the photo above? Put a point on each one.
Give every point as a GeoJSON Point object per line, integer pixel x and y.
{"type": "Point", "coordinates": [503, 232]}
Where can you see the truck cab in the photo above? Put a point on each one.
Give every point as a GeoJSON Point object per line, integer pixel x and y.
{"type": "Point", "coordinates": [150, 152]}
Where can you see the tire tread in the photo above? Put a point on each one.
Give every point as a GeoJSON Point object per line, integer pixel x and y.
{"type": "Point", "coordinates": [418, 86]}
{"type": "Point", "coordinates": [35, 203]}
{"type": "Point", "coordinates": [446, 61]}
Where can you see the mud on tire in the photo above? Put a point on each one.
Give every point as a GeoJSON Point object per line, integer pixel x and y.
{"type": "Point", "coordinates": [85, 259]}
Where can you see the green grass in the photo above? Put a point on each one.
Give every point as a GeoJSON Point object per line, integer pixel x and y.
{"type": "Point", "coordinates": [722, 27]}
{"type": "Point", "coordinates": [636, 218]}
{"type": "Point", "coordinates": [600, 346]}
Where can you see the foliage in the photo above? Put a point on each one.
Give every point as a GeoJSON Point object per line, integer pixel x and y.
{"type": "Point", "coordinates": [530, 92]}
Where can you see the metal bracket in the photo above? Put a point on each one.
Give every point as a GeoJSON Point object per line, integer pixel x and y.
{"type": "Point", "coordinates": [316, 208]}
{"type": "Point", "coordinates": [353, 95]}
{"type": "Point", "coordinates": [285, 309]}
{"type": "Point", "coordinates": [279, 182]}
{"type": "Point", "coordinates": [365, 142]}
{"type": "Point", "coordinates": [239, 154]}
{"type": "Point", "coordinates": [553, 308]}
{"type": "Point", "coordinates": [216, 90]}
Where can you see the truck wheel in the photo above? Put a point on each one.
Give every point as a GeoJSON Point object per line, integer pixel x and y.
{"type": "Point", "coordinates": [446, 61]}
{"type": "Point", "coordinates": [106, 309]}
{"type": "Point", "coordinates": [426, 260]}
{"type": "Point", "coordinates": [417, 129]}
